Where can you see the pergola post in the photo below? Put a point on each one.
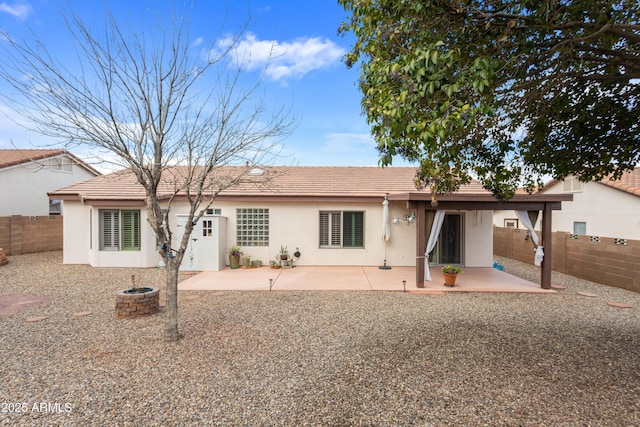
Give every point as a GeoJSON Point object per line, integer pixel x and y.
{"type": "Point", "coordinates": [545, 269]}
{"type": "Point", "coordinates": [421, 243]}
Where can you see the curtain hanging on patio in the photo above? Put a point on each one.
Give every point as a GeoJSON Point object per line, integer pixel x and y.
{"type": "Point", "coordinates": [438, 219]}
{"type": "Point", "coordinates": [523, 216]}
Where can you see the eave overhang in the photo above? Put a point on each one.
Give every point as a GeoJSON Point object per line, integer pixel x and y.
{"type": "Point", "coordinates": [457, 201]}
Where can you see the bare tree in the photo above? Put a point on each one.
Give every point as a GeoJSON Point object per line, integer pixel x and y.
{"type": "Point", "coordinates": [151, 102]}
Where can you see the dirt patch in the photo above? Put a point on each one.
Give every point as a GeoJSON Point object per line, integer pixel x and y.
{"type": "Point", "coordinates": [10, 304]}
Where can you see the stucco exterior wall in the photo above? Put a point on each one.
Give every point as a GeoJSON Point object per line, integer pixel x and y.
{"type": "Point", "coordinates": [76, 239]}
{"type": "Point", "coordinates": [296, 225]}
{"type": "Point", "coordinates": [23, 188]}
{"type": "Point", "coordinates": [478, 246]}
{"type": "Point", "coordinates": [81, 244]}
{"type": "Point", "coordinates": [291, 224]}
{"type": "Point", "coordinates": [608, 212]}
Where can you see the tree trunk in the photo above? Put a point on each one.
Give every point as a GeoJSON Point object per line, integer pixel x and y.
{"type": "Point", "coordinates": [171, 316]}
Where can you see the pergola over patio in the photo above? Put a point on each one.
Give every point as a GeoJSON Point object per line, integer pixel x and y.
{"type": "Point", "coordinates": [470, 201]}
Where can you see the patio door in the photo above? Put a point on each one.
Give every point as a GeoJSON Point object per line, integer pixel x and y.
{"type": "Point", "coordinates": [449, 248]}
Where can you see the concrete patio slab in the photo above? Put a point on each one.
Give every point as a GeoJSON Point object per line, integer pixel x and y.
{"type": "Point", "coordinates": [367, 278]}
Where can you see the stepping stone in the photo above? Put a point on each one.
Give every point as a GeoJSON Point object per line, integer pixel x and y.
{"type": "Point", "coordinates": [558, 287]}
{"type": "Point", "coordinates": [618, 304]}
{"type": "Point", "coordinates": [81, 313]}
{"type": "Point", "coordinates": [36, 318]}
{"type": "Point", "coordinates": [587, 294]}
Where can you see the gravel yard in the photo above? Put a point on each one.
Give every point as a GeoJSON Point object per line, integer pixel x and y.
{"type": "Point", "coordinates": [316, 358]}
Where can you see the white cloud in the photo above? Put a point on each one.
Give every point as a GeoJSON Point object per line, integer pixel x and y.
{"type": "Point", "coordinates": [19, 10]}
{"type": "Point", "coordinates": [349, 142]}
{"type": "Point", "coordinates": [197, 42]}
{"type": "Point", "coordinates": [285, 60]}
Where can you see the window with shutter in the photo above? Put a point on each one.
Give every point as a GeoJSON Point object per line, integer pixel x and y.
{"type": "Point", "coordinates": [109, 226]}
{"type": "Point", "coordinates": [330, 229]}
{"type": "Point", "coordinates": [130, 230]}
{"type": "Point", "coordinates": [353, 230]}
{"type": "Point", "coordinates": [341, 229]}
{"type": "Point", "coordinates": [119, 230]}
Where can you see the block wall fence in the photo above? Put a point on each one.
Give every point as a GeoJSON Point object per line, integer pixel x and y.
{"type": "Point", "coordinates": [29, 234]}
{"type": "Point", "coordinates": [605, 260]}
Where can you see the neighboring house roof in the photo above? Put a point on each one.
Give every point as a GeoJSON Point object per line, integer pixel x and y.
{"type": "Point", "coordinates": [14, 157]}
{"type": "Point", "coordinates": [629, 182]}
{"type": "Point", "coordinates": [294, 183]}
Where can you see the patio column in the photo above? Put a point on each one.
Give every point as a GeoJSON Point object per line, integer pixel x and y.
{"type": "Point", "coordinates": [545, 268]}
{"type": "Point", "coordinates": [421, 243]}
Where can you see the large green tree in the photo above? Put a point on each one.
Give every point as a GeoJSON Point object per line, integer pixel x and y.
{"type": "Point", "coordinates": [505, 91]}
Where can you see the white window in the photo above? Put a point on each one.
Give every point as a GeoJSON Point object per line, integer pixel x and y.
{"type": "Point", "coordinates": [207, 228]}
{"type": "Point", "coordinates": [60, 164]}
{"type": "Point", "coordinates": [119, 230]}
{"type": "Point", "coordinates": [341, 229]}
{"type": "Point", "coordinates": [572, 185]}
{"type": "Point", "coordinates": [252, 227]}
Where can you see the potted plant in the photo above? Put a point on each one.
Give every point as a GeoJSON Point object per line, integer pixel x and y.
{"type": "Point", "coordinates": [450, 272]}
{"type": "Point", "coordinates": [276, 263]}
{"type": "Point", "coordinates": [284, 253]}
{"type": "Point", "coordinates": [234, 256]}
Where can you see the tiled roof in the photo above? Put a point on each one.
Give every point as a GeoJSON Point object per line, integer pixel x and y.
{"type": "Point", "coordinates": [14, 157]}
{"type": "Point", "coordinates": [276, 181]}
{"type": "Point", "coordinates": [292, 183]}
{"type": "Point", "coordinates": [20, 156]}
{"type": "Point", "coordinates": [629, 182]}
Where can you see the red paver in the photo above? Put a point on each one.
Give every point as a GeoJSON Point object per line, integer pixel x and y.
{"type": "Point", "coordinates": [81, 313]}
{"type": "Point", "coordinates": [587, 294]}
{"type": "Point", "coordinates": [36, 318]}
{"type": "Point", "coordinates": [618, 304]}
{"type": "Point", "coordinates": [10, 304]}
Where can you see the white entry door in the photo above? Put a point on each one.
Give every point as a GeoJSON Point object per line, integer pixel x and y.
{"type": "Point", "coordinates": [205, 250]}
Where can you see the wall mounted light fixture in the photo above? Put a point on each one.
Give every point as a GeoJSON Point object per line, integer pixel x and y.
{"type": "Point", "coordinates": [409, 219]}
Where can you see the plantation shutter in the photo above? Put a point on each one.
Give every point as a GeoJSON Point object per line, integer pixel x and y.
{"type": "Point", "coordinates": [109, 229]}
{"type": "Point", "coordinates": [330, 229]}
{"type": "Point", "coordinates": [353, 230]}
{"type": "Point", "coordinates": [130, 230]}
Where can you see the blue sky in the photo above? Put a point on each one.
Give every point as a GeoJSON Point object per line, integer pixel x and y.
{"type": "Point", "coordinates": [308, 75]}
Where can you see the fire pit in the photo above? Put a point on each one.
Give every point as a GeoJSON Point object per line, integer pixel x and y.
{"type": "Point", "coordinates": [137, 301]}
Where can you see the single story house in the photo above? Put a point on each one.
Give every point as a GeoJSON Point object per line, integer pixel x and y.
{"type": "Point", "coordinates": [26, 175]}
{"type": "Point", "coordinates": [336, 216]}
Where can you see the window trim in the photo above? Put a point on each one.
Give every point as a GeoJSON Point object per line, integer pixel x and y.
{"type": "Point", "coordinates": [332, 230]}
{"type": "Point", "coordinates": [119, 230]}
{"type": "Point", "coordinates": [60, 164]}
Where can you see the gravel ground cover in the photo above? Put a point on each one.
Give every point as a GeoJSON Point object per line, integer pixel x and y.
{"type": "Point", "coordinates": [316, 358]}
